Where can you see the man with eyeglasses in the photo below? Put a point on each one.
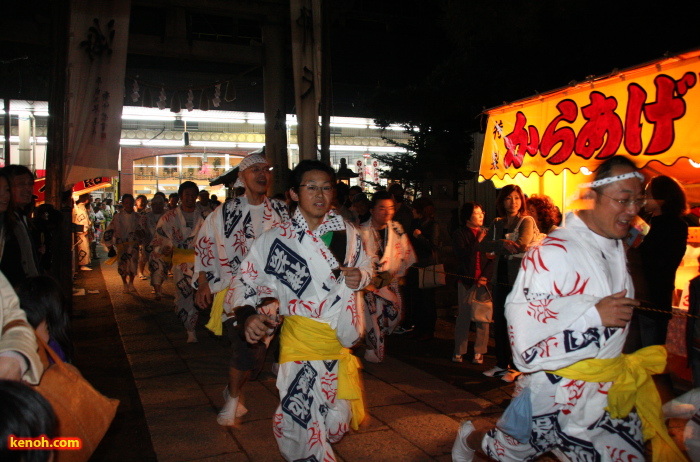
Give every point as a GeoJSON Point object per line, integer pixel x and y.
{"type": "Point", "coordinates": [568, 317]}
{"type": "Point", "coordinates": [222, 243]}
{"type": "Point", "coordinates": [313, 266]}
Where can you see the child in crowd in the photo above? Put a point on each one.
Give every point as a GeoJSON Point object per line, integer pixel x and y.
{"type": "Point", "coordinates": [41, 298]}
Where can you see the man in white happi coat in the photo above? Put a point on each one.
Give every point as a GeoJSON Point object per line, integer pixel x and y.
{"type": "Point", "coordinates": [313, 265]}
{"type": "Point", "coordinates": [204, 204]}
{"type": "Point", "coordinates": [174, 243]}
{"type": "Point", "coordinates": [392, 254]}
{"type": "Point", "coordinates": [568, 316]}
{"type": "Point", "coordinates": [149, 222]}
{"type": "Point", "coordinates": [122, 240]}
{"type": "Point", "coordinates": [222, 243]}
{"type": "Point", "coordinates": [81, 217]}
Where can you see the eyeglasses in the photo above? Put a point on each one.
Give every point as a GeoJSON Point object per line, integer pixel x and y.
{"type": "Point", "coordinates": [626, 203]}
{"type": "Point", "coordinates": [313, 189]}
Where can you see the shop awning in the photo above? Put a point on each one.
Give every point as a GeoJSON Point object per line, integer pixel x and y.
{"type": "Point", "coordinates": [650, 113]}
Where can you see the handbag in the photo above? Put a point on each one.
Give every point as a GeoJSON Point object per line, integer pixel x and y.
{"type": "Point", "coordinates": [481, 311]}
{"type": "Point", "coordinates": [431, 276]}
{"type": "Point", "coordinates": [516, 421]}
{"type": "Point", "coordinates": [81, 411]}
{"type": "Point", "coordinates": [537, 237]}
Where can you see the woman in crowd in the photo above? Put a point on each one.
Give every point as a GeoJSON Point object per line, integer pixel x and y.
{"type": "Point", "coordinates": [545, 213]}
{"type": "Point", "coordinates": [507, 238]}
{"type": "Point", "coordinates": [392, 254]}
{"type": "Point", "coordinates": [425, 237]}
{"type": "Point", "coordinates": [465, 243]}
{"type": "Point", "coordinates": [661, 252]}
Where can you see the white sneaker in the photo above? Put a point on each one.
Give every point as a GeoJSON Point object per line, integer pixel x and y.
{"type": "Point", "coordinates": [460, 450]}
{"type": "Point", "coordinates": [192, 337]}
{"type": "Point", "coordinates": [495, 371]}
{"type": "Point", "coordinates": [510, 376]}
{"type": "Point", "coordinates": [456, 358]}
{"type": "Point", "coordinates": [478, 358]}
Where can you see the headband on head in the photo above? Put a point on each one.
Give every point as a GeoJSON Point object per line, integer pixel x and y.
{"type": "Point", "coordinates": [612, 179]}
{"type": "Point", "coordinates": [252, 159]}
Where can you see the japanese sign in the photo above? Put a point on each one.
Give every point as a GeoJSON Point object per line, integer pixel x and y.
{"type": "Point", "coordinates": [647, 113]}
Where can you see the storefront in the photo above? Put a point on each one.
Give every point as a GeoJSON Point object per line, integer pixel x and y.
{"type": "Point", "coordinates": [552, 142]}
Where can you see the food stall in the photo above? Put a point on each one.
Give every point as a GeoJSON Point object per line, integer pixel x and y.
{"type": "Point", "coordinates": [552, 142]}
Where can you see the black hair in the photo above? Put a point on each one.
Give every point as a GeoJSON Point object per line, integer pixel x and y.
{"type": "Point", "coordinates": [466, 212]}
{"type": "Point", "coordinates": [127, 195]}
{"type": "Point", "coordinates": [41, 299]}
{"type": "Point", "coordinates": [397, 191]}
{"type": "Point", "coordinates": [425, 208]}
{"type": "Point", "coordinates": [24, 413]}
{"type": "Point", "coordinates": [187, 185]}
{"type": "Point", "coordinates": [308, 165]}
{"type": "Point", "coordinates": [671, 195]}
{"type": "Point", "coordinates": [160, 193]}
{"type": "Point", "coordinates": [381, 196]}
{"type": "Point", "coordinates": [506, 191]}
{"type": "Point", "coordinates": [171, 195]}
{"type": "Point", "coordinates": [604, 170]}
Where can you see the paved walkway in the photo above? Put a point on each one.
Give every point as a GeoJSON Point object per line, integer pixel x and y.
{"type": "Point", "coordinates": [171, 391]}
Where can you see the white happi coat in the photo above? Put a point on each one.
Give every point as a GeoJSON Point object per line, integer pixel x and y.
{"type": "Point", "coordinates": [384, 308]}
{"type": "Point", "coordinates": [225, 238]}
{"type": "Point", "coordinates": [553, 323]}
{"type": "Point", "coordinates": [172, 232]}
{"type": "Point", "coordinates": [148, 222]}
{"type": "Point", "coordinates": [82, 239]}
{"type": "Point", "coordinates": [123, 232]}
{"type": "Point", "coordinates": [293, 265]}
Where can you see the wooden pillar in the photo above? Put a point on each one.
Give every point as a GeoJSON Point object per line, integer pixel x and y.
{"type": "Point", "coordinates": [274, 108]}
{"type": "Point", "coordinates": [326, 91]}
{"type": "Point", "coordinates": [61, 243]}
{"type": "Point", "coordinates": [6, 122]}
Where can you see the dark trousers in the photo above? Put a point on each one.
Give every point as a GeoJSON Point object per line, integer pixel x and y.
{"type": "Point", "coordinates": [422, 302]}
{"type": "Point", "coordinates": [504, 354]}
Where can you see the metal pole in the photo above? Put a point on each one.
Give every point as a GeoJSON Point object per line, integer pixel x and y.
{"type": "Point", "coordinates": [6, 121]}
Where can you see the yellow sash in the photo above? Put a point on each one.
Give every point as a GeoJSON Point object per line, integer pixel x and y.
{"type": "Point", "coordinates": [304, 339]}
{"type": "Point", "coordinates": [120, 251]}
{"type": "Point", "coordinates": [217, 310]}
{"type": "Point", "coordinates": [182, 256]}
{"type": "Point", "coordinates": [632, 387]}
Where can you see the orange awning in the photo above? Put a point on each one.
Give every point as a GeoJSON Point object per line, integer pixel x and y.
{"type": "Point", "coordinates": [650, 113]}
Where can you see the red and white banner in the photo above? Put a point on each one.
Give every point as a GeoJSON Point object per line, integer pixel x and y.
{"type": "Point", "coordinates": [97, 48]}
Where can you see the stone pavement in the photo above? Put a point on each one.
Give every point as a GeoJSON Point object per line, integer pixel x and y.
{"type": "Point", "coordinates": [171, 391]}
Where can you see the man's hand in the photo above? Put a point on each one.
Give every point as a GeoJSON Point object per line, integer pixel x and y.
{"type": "Point", "coordinates": [203, 296]}
{"type": "Point", "coordinates": [10, 368]}
{"type": "Point", "coordinates": [616, 310]}
{"type": "Point", "coordinates": [257, 326]}
{"type": "Point", "coordinates": [353, 277]}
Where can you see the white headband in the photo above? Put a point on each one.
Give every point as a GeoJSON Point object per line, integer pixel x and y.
{"type": "Point", "coordinates": [612, 179]}
{"type": "Point", "coordinates": [247, 162]}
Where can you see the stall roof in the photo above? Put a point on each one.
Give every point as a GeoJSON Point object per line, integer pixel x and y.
{"type": "Point", "coordinates": [650, 113]}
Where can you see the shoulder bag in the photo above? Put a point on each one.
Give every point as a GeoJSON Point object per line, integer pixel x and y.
{"type": "Point", "coordinates": [431, 276]}
{"type": "Point", "coordinates": [81, 411]}
{"type": "Point", "coordinates": [481, 311]}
